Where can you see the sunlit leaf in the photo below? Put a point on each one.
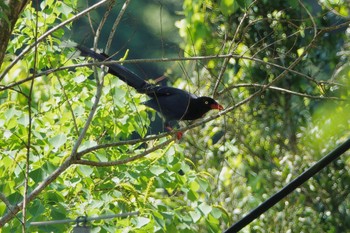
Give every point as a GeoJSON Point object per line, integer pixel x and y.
{"type": "Point", "coordinates": [141, 221]}
{"type": "Point", "coordinates": [204, 208]}
{"type": "Point", "coordinates": [58, 140]}
{"type": "Point", "coordinates": [157, 170]}
{"type": "Point", "coordinates": [195, 215]}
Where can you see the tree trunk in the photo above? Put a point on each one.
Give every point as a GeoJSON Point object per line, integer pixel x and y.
{"type": "Point", "coordinates": [9, 12]}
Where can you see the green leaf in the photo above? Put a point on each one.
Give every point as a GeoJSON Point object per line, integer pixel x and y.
{"type": "Point", "coordinates": [157, 170]}
{"type": "Point", "coordinates": [53, 196]}
{"type": "Point", "coordinates": [192, 196]}
{"type": "Point", "coordinates": [119, 95]}
{"type": "Point", "coordinates": [216, 212]}
{"type": "Point", "coordinates": [80, 78]}
{"type": "Point", "coordinates": [64, 9]}
{"type": "Point", "coordinates": [37, 175]}
{"type": "Point", "coordinates": [58, 140]}
{"type": "Point", "coordinates": [203, 184]}
{"type": "Point", "coordinates": [228, 7]}
{"type": "Point", "coordinates": [11, 113]}
{"type": "Point", "coordinates": [159, 219]}
{"type": "Point", "coordinates": [37, 208]}
{"type": "Point", "coordinates": [101, 156]}
{"type": "Point", "coordinates": [23, 120]}
{"type": "Point", "coordinates": [58, 212]}
{"type": "Point", "coordinates": [2, 208]}
{"type": "Point", "coordinates": [141, 221]}
{"type": "Point", "coordinates": [194, 186]}
{"type": "Point", "coordinates": [205, 209]}
{"type": "Point", "coordinates": [15, 197]}
{"type": "Point", "coordinates": [195, 215]}
{"type": "Point", "coordinates": [85, 170]}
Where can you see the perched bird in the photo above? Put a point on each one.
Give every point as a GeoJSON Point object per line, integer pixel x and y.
{"type": "Point", "coordinates": [172, 103]}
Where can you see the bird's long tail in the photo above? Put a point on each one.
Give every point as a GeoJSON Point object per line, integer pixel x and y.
{"type": "Point", "coordinates": [120, 71]}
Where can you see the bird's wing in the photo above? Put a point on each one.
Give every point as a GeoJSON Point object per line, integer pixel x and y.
{"type": "Point", "coordinates": [158, 91]}
{"type": "Point", "coordinates": [171, 102]}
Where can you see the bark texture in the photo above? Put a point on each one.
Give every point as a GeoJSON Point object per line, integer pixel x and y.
{"type": "Point", "coordinates": [9, 13]}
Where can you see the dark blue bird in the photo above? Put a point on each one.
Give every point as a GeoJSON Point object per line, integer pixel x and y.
{"type": "Point", "coordinates": [172, 103]}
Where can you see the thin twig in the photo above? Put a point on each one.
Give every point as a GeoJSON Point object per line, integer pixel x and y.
{"type": "Point", "coordinates": [28, 144]}
{"type": "Point", "coordinates": [226, 60]}
{"type": "Point", "coordinates": [254, 85]}
{"type": "Point", "coordinates": [115, 25]}
{"type": "Point", "coordinates": [6, 201]}
{"type": "Point", "coordinates": [102, 22]}
{"type": "Point", "coordinates": [96, 39]}
{"type": "Point", "coordinates": [69, 106]}
{"type": "Point", "coordinates": [311, 18]}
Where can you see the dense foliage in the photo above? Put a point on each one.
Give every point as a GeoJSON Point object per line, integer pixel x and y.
{"type": "Point", "coordinates": [78, 142]}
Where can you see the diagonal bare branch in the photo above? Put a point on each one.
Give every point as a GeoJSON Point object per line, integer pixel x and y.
{"type": "Point", "coordinates": [126, 160]}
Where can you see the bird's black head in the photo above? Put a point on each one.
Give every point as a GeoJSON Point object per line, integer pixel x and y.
{"type": "Point", "coordinates": [210, 103]}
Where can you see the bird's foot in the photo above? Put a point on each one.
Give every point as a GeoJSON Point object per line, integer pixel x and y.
{"type": "Point", "coordinates": [178, 134]}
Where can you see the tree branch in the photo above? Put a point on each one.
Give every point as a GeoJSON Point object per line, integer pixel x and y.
{"type": "Point", "coordinates": [126, 160]}
{"type": "Point", "coordinates": [4, 199]}
{"type": "Point", "coordinates": [121, 143]}
{"type": "Point", "coordinates": [29, 142]}
{"type": "Point", "coordinates": [115, 25]}
{"type": "Point", "coordinates": [135, 61]}
{"type": "Point", "coordinates": [254, 85]}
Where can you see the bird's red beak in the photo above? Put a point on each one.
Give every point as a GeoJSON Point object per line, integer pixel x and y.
{"type": "Point", "coordinates": [216, 106]}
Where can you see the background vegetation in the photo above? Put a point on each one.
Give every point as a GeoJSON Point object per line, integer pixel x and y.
{"type": "Point", "coordinates": [78, 142]}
